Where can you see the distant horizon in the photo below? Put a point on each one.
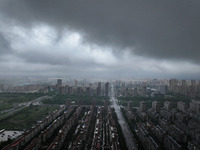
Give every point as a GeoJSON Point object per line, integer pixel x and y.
{"type": "Point", "coordinates": [92, 78]}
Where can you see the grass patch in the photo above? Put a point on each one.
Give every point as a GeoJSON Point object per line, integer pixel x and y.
{"type": "Point", "coordinates": [26, 118]}
{"type": "Point", "coordinates": [86, 100]}
{"type": "Point", "coordinates": [9, 100]}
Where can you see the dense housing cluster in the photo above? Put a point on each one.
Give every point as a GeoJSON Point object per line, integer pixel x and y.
{"type": "Point", "coordinates": [166, 127]}
{"type": "Point", "coordinates": [72, 127]}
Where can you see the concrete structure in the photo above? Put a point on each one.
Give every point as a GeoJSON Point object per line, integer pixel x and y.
{"type": "Point", "coordinates": [173, 85]}
{"type": "Point", "coordinates": [99, 89]}
{"type": "Point", "coordinates": [144, 88]}
{"type": "Point", "coordinates": [142, 106]}
{"type": "Point", "coordinates": [156, 106]}
{"type": "Point", "coordinates": [59, 83]}
{"type": "Point", "coordinates": [167, 105]}
{"type": "Point", "coordinates": [181, 107]}
{"type": "Point", "coordinates": [195, 107]}
{"type": "Point", "coordinates": [107, 88]}
{"type": "Point", "coordinates": [163, 89]}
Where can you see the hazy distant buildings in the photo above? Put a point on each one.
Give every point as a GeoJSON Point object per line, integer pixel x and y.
{"type": "Point", "coordinates": [185, 87]}
{"type": "Point", "coordinates": [59, 83]}
{"type": "Point", "coordinates": [76, 83]}
{"type": "Point", "coordinates": [99, 89]}
{"type": "Point", "coordinates": [173, 85]}
{"type": "Point", "coordinates": [79, 90]}
{"type": "Point", "coordinates": [107, 87]}
{"type": "Point", "coordinates": [163, 89]}
{"type": "Point", "coordinates": [144, 88]}
{"type": "Point", "coordinates": [62, 90]}
{"type": "Point", "coordinates": [88, 91]}
{"type": "Point", "coordinates": [142, 106]}
{"type": "Point", "coordinates": [1, 87]}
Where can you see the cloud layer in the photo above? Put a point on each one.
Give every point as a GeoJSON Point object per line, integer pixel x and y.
{"type": "Point", "coordinates": [155, 37]}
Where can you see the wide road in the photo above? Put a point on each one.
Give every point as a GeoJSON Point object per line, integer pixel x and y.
{"type": "Point", "coordinates": [125, 129]}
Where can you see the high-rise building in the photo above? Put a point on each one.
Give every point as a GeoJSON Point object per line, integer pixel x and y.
{"type": "Point", "coordinates": [107, 87]}
{"type": "Point", "coordinates": [59, 83]}
{"type": "Point", "coordinates": [79, 90]}
{"type": "Point", "coordinates": [173, 85]}
{"type": "Point", "coordinates": [144, 88]}
{"type": "Point", "coordinates": [62, 90]}
{"type": "Point", "coordinates": [88, 91]}
{"type": "Point", "coordinates": [70, 90]}
{"type": "Point", "coordinates": [183, 88]}
{"type": "Point", "coordinates": [66, 89]}
{"type": "Point", "coordinates": [183, 82]}
{"type": "Point", "coordinates": [193, 87]}
{"type": "Point", "coordinates": [181, 107]}
{"type": "Point", "coordinates": [167, 105]}
{"type": "Point", "coordinates": [195, 107]}
{"type": "Point", "coordinates": [163, 89]}
{"type": "Point", "coordinates": [156, 106]}
{"type": "Point", "coordinates": [99, 89]}
{"type": "Point", "coordinates": [142, 106]}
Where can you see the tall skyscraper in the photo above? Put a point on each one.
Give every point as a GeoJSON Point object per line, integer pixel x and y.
{"type": "Point", "coordinates": [142, 106]}
{"type": "Point", "coordinates": [163, 89]}
{"type": "Point", "coordinates": [173, 85]}
{"type": "Point", "coordinates": [181, 107]}
{"type": "Point", "coordinates": [183, 88]}
{"type": "Point", "coordinates": [99, 89]}
{"type": "Point", "coordinates": [167, 105]}
{"type": "Point", "coordinates": [59, 83]}
{"type": "Point", "coordinates": [195, 106]}
{"type": "Point", "coordinates": [156, 106]}
{"type": "Point", "coordinates": [107, 87]}
{"type": "Point", "coordinates": [144, 88]}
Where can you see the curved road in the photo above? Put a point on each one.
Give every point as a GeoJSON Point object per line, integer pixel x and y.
{"type": "Point", "coordinates": [125, 128]}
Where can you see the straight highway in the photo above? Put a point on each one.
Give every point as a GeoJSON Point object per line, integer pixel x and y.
{"type": "Point", "coordinates": [125, 128]}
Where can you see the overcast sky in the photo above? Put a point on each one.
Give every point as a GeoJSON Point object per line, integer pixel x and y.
{"type": "Point", "coordinates": [137, 38]}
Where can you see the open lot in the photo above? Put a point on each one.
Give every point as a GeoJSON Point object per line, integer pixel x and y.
{"type": "Point", "coordinates": [86, 100]}
{"type": "Point", "coordinates": [10, 100]}
{"type": "Point", "coordinates": [27, 117]}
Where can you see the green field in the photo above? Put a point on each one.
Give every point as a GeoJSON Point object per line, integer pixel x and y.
{"type": "Point", "coordinates": [27, 117]}
{"type": "Point", "coordinates": [10, 100]}
{"type": "Point", "coordinates": [86, 100]}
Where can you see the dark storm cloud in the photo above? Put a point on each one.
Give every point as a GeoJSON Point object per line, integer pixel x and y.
{"type": "Point", "coordinates": [41, 57]}
{"type": "Point", "coordinates": [4, 45]}
{"type": "Point", "coordinates": [160, 29]}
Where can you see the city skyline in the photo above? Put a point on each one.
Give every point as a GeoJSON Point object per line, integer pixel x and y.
{"type": "Point", "coordinates": [149, 39]}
